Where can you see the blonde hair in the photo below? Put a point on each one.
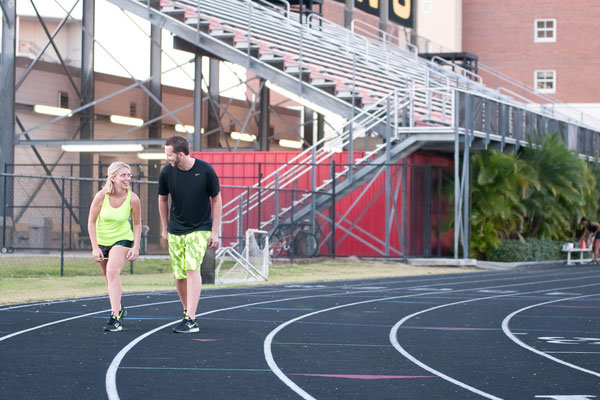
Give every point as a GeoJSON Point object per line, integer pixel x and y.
{"type": "Point", "coordinates": [111, 173]}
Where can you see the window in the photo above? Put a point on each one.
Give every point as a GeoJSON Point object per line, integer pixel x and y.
{"type": "Point", "coordinates": [545, 81]}
{"type": "Point", "coordinates": [544, 30]}
{"type": "Point", "coordinates": [63, 99]}
{"type": "Point", "coordinates": [427, 6]}
{"type": "Point", "coordinates": [133, 109]}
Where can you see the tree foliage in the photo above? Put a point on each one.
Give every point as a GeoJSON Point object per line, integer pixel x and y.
{"type": "Point", "coordinates": [541, 192]}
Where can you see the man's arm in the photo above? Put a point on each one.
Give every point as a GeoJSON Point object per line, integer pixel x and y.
{"type": "Point", "coordinates": [217, 207]}
{"type": "Point", "coordinates": [163, 211]}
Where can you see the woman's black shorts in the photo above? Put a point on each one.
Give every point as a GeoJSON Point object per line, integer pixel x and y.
{"type": "Point", "coordinates": [122, 243]}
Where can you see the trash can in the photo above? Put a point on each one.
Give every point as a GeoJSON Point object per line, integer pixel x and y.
{"type": "Point", "coordinates": [39, 232]}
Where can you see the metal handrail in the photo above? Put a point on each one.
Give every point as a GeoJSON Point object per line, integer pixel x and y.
{"type": "Point", "coordinates": [532, 91]}
{"type": "Point", "coordinates": [286, 176]}
{"type": "Point", "coordinates": [286, 5]}
{"type": "Point", "coordinates": [353, 27]}
{"type": "Point", "coordinates": [453, 65]}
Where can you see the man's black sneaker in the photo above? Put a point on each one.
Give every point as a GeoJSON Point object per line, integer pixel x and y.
{"type": "Point", "coordinates": [187, 325]}
{"type": "Point", "coordinates": [122, 313]}
{"type": "Point", "coordinates": [113, 325]}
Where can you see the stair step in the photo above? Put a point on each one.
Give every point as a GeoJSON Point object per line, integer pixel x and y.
{"type": "Point", "coordinates": [167, 6]}
{"type": "Point", "coordinates": [324, 84]}
{"type": "Point", "coordinates": [223, 35]}
{"type": "Point", "coordinates": [242, 45]}
{"type": "Point", "coordinates": [294, 70]}
{"type": "Point", "coordinates": [273, 59]}
{"type": "Point", "coordinates": [347, 96]}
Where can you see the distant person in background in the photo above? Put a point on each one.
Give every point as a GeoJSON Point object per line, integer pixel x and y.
{"type": "Point", "coordinates": [113, 241]}
{"type": "Point", "coordinates": [591, 231]}
{"type": "Point", "coordinates": [192, 223]}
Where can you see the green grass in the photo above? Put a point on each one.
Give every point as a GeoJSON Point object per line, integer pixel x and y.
{"type": "Point", "coordinates": [35, 278]}
{"type": "Point", "coordinates": [39, 266]}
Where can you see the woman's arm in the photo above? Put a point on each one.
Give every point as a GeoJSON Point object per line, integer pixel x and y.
{"type": "Point", "coordinates": [136, 216]}
{"type": "Point", "coordinates": [92, 218]}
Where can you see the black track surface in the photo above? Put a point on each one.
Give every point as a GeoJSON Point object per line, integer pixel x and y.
{"type": "Point", "coordinates": [527, 333]}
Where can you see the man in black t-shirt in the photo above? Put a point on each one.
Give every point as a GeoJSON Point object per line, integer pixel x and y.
{"type": "Point", "coordinates": [192, 223]}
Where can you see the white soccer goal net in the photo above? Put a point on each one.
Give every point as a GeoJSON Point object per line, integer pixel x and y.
{"type": "Point", "coordinates": [252, 265]}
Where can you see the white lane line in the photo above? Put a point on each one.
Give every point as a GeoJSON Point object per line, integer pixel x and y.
{"type": "Point", "coordinates": [292, 385]}
{"type": "Point", "coordinates": [396, 344]}
{"type": "Point", "coordinates": [512, 337]}
{"type": "Point", "coordinates": [76, 317]}
{"type": "Point", "coordinates": [142, 305]}
{"type": "Point", "coordinates": [111, 373]}
{"type": "Point", "coordinates": [135, 306]}
{"type": "Point", "coordinates": [267, 345]}
{"type": "Point", "coordinates": [111, 387]}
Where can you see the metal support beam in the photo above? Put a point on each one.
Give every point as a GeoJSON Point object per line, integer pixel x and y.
{"type": "Point", "coordinates": [308, 127]}
{"type": "Point", "coordinates": [466, 175]}
{"type": "Point", "coordinates": [213, 120]}
{"type": "Point", "coordinates": [348, 13]}
{"type": "Point", "coordinates": [154, 106]}
{"type": "Point", "coordinates": [86, 160]}
{"type": "Point", "coordinates": [197, 141]}
{"type": "Point", "coordinates": [265, 120]}
{"type": "Point", "coordinates": [154, 129]}
{"type": "Point", "coordinates": [7, 105]}
{"type": "Point", "coordinates": [384, 12]}
{"type": "Point", "coordinates": [388, 181]}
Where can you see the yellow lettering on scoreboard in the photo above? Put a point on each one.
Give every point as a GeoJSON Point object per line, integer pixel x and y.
{"type": "Point", "coordinates": [402, 11]}
{"type": "Point", "coordinates": [372, 3]}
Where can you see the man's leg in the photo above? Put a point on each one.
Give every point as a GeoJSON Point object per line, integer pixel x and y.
{"type": "Point", "coordinates": [194, 287]}
{"type": "Point", "coordinates": [181, 286]}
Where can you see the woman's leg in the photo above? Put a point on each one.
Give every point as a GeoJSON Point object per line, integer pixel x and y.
{"type": "Point", "coordinates": [116, 260]}
{"type": "Point", "coordinates": [596, 248]}
{"type": "Point", "coordinates": [103, 268]}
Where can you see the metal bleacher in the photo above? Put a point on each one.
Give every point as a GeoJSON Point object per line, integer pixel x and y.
{"type": "Point", "coordinates": [376, 82]}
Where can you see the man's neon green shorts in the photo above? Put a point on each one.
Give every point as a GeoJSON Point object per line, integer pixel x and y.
{"type": "Point", "coordinates": [187, 251]}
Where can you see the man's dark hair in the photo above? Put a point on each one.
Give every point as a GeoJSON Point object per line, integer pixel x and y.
{"type": "Point", "coordinates": [179, 143]}
{"type": "Point", "coordinates": [584, 220]}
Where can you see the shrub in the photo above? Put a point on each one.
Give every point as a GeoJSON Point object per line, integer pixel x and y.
{"type": "Point", "coordinates": [527, 250]}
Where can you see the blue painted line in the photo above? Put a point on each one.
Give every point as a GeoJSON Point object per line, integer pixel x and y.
{"type": "Point", "coordinates": [200, 369]}
{"type": "Point", "coordinates": [280, 309]}
{"type": "Point", "coordinates": [299, 322]}
{"type": "Point", "coordinates": [132, 318]}
{"type": "Point", "coordinates": [333, 344]}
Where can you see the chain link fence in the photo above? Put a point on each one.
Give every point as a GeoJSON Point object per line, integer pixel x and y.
{"type": "Point", "coordinates": [43, 224]}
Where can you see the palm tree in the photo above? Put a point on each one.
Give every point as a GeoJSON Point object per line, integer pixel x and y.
{"type": "Point", "coordinates": [501, 183]}
{"type": "Point", "coordinates": [561, 190]}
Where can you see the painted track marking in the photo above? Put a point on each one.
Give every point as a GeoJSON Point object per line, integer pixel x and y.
{"type": "Point", "coordinates": [512, 337]}
{"type": "Point", "coordinates": [396, 344]}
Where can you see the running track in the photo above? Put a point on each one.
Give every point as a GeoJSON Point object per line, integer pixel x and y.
{"type": "Point", "coordinates": [526, 333]}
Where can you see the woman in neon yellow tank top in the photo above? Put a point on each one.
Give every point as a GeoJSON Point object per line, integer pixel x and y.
{"type": "Point", "coordinates": [113, 241]}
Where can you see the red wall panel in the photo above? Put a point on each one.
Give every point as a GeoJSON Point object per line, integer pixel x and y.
{"type": "Point", "coordinates": [363, 211]}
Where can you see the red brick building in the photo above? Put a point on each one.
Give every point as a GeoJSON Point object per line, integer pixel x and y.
{"type": "Point", "coordinates": [551, 45]}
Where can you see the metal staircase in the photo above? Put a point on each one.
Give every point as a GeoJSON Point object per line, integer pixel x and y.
{"type": "Point", "coordinates": [380, 87]}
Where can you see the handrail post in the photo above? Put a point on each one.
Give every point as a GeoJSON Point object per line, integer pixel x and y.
{"type": "Point", "coordinates": [388, 180]}
{"type": "Point", "coordinates": [259, 208]}
{"type": "Point", "coordinates": [332, 208]}
{"type": "Point", "coordinates": [276, 201]}
{"type": "Point", "coordinates": [396, 104]}
{"type": "Point", "coordinates": [62, 227]}
{"type": "Point", "coordinates": [240, 227]}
